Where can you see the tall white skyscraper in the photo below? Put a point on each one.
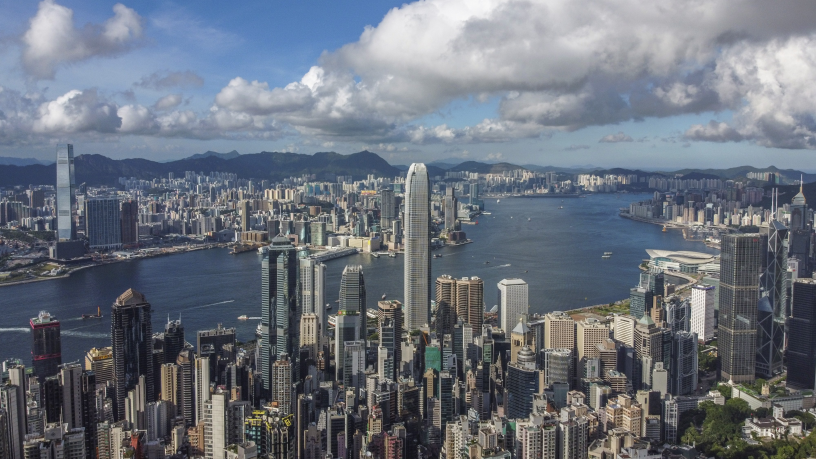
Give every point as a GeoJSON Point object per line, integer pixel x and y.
{"type": "Point", "coordinates": [66, 193]}
{"type": "Point", "coordinates": [417, 247]}
{"type": "Point", "coordinates": [702, 311]}
{"type": "Point", "coordinates": [202, 386]}
{"type": "Point", "coordinates": [513, 302]}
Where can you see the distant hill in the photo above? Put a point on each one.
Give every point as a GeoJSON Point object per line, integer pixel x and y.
{"type": "Point", "coordinates": [741, 171]}
{"type": "Point", "coordinates": [101, 170]}
{"type": "Point", "coordinates": [230, 155]}
{"type": "Point", "coordinates": [9, 161]}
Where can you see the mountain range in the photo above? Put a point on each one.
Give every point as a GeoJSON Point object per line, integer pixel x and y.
{"type": "Point", "coordinates": [101, 170]}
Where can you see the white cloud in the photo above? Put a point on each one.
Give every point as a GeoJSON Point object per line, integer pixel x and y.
{"type": "Point", "coordinates": [167, 102]}
{"type": "Point", "coordinates": [77, 111]}
{"type": "Point", "coordinates": [616, 138]}
{"type": "Point", "coordinates": [52, 39]}
{"type": "Point", "coordinates": [555, 64]}
{"type": "Point", "coordinates": [167, 80]}
{"type": "Point", "coordinates": [714, 131]}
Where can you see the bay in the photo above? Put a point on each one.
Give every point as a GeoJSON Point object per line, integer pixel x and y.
{"type": "Point", "coordinates": [557, 251]}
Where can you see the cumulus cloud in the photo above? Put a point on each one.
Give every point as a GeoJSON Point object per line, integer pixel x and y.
{"type": "Point", "coordinates": [30, 117]}
{"type": "Point", "coordinates": [714, 131]}
{"type": "Point", "coordinates": [553, 65]}
{"type": "Point", "coordinates": [556, 65]}
{"type": "Point", "coordinates": [168, 80]}
{"type": "Point", "coordinates": [52, 39]}
{"type": "Point", "coordinates": [167, 102]}
{"type": "Point", "coordinates": [616, 138]}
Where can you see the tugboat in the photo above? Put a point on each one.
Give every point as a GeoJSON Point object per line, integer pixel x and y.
{"type": "Point", "coordinates": [98, 314]}
{"type": "Point", "coordinates": [664, 228]}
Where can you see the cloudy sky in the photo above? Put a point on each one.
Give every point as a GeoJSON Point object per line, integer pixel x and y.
{"type": "Point", "coordinates": [658, 84]}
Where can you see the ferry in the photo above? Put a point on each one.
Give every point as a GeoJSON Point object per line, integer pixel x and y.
{"type": "Point", "coordinates": [98, 314]}
{"type": "Point", "coordinates": [243, 317]}
{"type": "Point", "coordinates": [436, 255]}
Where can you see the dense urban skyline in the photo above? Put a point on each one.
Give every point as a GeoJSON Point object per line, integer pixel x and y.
{"type": "Point", "coordinates": [544, 83]}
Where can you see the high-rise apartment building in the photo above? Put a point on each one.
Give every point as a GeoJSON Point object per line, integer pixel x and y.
{"type": "Point", "coordinates": [513, 302]}
{"type": "Point", "coordinates": [470, 301]}
{"type": "Point", "coordinates": [66, 193]}
{"type": "Point", "coordinates": [282, 384]}
{"type": "Point", "coordinates": [244, 206]}
{"type": "Point", "coordinates": [702, 311]}
{"type": "Point", "coordinates": [132, 345]}
{"type": "Point", "coordinates": [280, 312]}
{"type": "Point", "coordinates": [310, 334]}
{"type": "Point", "coordinates": [46, 348]}
{"type": "Point", "coordinates": [103, 225]}
{"type": "Point", "coordinates": [741, 263]}
{"type": "Point", "coordinates": [417, 240]}
{"type": "Point", "coordinates": [202, 387]}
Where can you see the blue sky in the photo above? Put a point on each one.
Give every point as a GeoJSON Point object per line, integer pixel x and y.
{"type": "Point", "coordinates": [612, 83]}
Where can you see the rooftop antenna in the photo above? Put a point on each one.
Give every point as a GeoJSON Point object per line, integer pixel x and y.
{"type": "Point", "coordinates": [801, 182]}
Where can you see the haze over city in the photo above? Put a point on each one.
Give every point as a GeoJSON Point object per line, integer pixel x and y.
{"type": "Point", "coordinates": [615, 83]}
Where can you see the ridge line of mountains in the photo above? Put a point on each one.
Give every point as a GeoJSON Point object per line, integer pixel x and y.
{"type": "Point", "coordinates": [100, 170]}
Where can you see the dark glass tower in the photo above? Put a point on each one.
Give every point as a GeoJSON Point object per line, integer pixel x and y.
{"type": "Point", "coordinates": [280, 312]}
{"type": "Point", "coordinates": [46, 348]}
{"type": "Point", "coordinates": [802, 326]}
{"type": "Point", "coordinates": [173, 340]}
{"type": "Point", "coordinates": [741, 264]}
{"type": "Point", "coordinates": [132, 343]}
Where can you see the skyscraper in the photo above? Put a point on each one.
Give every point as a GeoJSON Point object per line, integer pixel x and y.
{"type": "Point", "coordinates": [773, 302]}
{"type": "Point", "coordinates": [392, 311]}
{"type": "Point", "coordinates": [470, 301]}
{"type": "Point", "coordinates": [417, 241]}
{"type": "Point", "coordinates": [387, 208]}
{"type": "Point", "coordinates": [245, 216]}
{"type": "Point", "coordinates": [66, 193]}
{"type": "Point", "coordinates": [802, 329]}
{"type": "Point", "coordinates": [522, 383]}
{"type": "Point", "coordinates": [313, 290]}
{"type": "Point", "coordinates": [282, 384]}
{"type": "Point", "coordinates": [280, 314]}
{"type": "Point", "coordinates": [702, 311]}
{"type": "Point", "coordinates": [513, 302]}
{"type": "Point", "coordinates": [445, 304]}
{"type": "Point", "coordinates": [103, 226]}
{"type": "Point", "coordinates": [132, 343]}
{"type": "Point", "coordinates": [451, 206]}
{"type": "Point", "coordinates": [130, 222]}
{"type": "Point", "coordinates": [173, 340]}
{"type": "Point", "coordinates": [46, 348]}
{"type": "Point", "coordinates": [346, 329]}
{"type": "Point", "coordinates": [741, 263]}
{"type": "Point", "coordinates": [353, 295]}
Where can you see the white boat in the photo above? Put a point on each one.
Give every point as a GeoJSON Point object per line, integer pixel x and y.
{"type": "Point", "coordinates": [392, 254]}
{"type": "Point", "coordinates": [607, 253]}
{"type": "Point", "coordinates": [498, 201]}
{"type": "Point", "coordinates": [242, 317]}
{"type": "Point", "coordinates": [328, 306]}
{"type": "Point", "coordinates": [528, 219]}
{"type": "Point", "coordinates": [375, 254]}
{"type": "Point", "coordinates": [606, 256]}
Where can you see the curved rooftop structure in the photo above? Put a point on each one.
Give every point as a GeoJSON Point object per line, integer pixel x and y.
{"type": "Point", "coordinates": [684, 257]}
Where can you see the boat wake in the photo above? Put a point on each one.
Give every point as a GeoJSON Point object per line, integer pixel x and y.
{"type": "Point", "coordinates": [82, 334]}
{"type": "Point", "coordinates": [254, 318]}
{"type": "Point", "coordinates": [15, 329]}
{"type": "Point", "coordinates": [208, 305]}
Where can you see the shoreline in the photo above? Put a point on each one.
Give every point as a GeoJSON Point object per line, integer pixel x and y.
{"type": "Point", "coordinates": [104, 263]}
